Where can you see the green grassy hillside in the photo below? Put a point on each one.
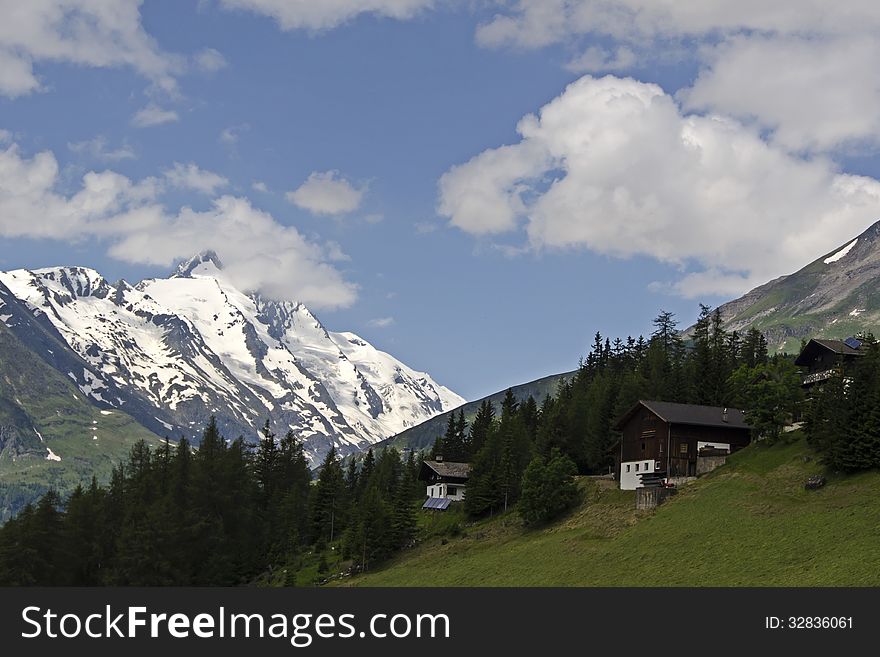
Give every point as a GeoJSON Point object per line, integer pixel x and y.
{"type": "Point", "coordinates": [423, 435]}
{"type": "Point", "coordinates": [749, 523]}
{"type": "Point", "coordinates": [36, 398]}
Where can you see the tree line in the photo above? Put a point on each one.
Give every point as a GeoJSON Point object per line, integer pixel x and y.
{"type": "Point", "coordinates": [223, 514]}
{"type": "Point", "coordinates": [572, 431]}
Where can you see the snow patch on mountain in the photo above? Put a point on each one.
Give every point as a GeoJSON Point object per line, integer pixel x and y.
{"type": "Point", "coordinates": [840, 254]}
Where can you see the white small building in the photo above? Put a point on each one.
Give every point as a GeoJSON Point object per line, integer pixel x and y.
{"type": "Point", "coordinates": [445, 479]}
{"type": "Point", "coordinates": [630, 472]}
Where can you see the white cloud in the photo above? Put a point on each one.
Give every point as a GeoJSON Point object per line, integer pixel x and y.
{"type": "Point", "coordinates": [5, 136]}
{"type": "Point", "coordinates": [813, 94]}
{"type": "Point", "coordinates": [152, 115]}
{"type": "Point", "coordinates": [381, 322]}
{"type": "Point", "coordinates": [595, 59]}
{"type": "Point", "coordinates": [537, 23]}
{"type": "Point", "coordinates": [803, 69]}
{"type": "Point", "coordinates": [230, 136]}
{"type": "Point", "coordinates": [97, 149]}
{"type": "Point", "coordinates": [614, 165]}
{"type": "Point", "coordinates": [190, 176]}
{"type": "Point", "coordinates": [258, 252]}
{"type": "Point", "coordinates": [327, 14]}
{"type": "Point", "coordinates": [426, 227]}
{"type": "Point", "coordinates": [210, 60]}
{"type": "Point", "coordinates": [327, 193]}
{"type": "Point", "coordinates": [96, 33]}
{"type": "Point", "coordinates": [260, 186]}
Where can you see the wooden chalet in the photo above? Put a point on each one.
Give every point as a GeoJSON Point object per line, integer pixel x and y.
{"type": "Point", "coordinates": [445, 479]}
{"type": "Point", "coordinates": [823, 359]}
{"type": "Point", "coordinates": [669, 440]}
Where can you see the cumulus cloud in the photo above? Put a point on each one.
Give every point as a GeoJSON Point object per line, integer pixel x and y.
{"type": "Point", "coordinates": [190, 176]}
{"type": "Point", "coordinates": [616, 166]}
{"type": "Point", "coordinates": [260, 186]}
{"type": "Point", "coordinates": [802, 69]}
{"type": "Point", "coordinates": [259, 253]}
{"type": "Point", "coordinates": [327, 193]}
{"type": "Point", "coordinates": [327, 14]}
{"type": "Point", "coordinates": [98, 149]}
{"type": "Point", "coordinates": [152, 115]}
{"type": "Point", "coordinates": [381, 322]}
{"type": "Point", "coordinates": [97, 33]}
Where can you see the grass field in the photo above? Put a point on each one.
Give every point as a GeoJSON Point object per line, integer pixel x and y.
{"type": "Point", "coordinates": [749, 523]}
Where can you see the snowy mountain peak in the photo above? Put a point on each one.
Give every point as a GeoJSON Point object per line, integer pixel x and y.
{"type": "Point", "coordinates": [173, 352]}
{"type": "Point", "coordinates": [204, 263]}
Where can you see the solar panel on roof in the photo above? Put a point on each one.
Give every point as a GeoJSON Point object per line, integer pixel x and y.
{"type": "Point", "coordinates": [853, 343]}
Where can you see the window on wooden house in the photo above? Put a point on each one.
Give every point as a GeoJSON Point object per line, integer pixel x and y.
{"type": "Point", "coordinates": [683, 448]}
{"type": "Point", "coordinates": [637, 467]}
{"type": "Point", "coordinates": [627, 468]}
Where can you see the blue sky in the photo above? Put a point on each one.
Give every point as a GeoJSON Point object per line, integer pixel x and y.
{"type": "Point", "coordinates": [372, 158]}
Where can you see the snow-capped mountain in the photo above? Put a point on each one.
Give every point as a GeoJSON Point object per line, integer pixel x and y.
{"type": "Point", "coordinates": [171, 352]}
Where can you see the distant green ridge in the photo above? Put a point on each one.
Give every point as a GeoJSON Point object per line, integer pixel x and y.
{"type": "Point", "coordinates": [36, 400]}
{"type": "Point", "coordinates": [423, 435]}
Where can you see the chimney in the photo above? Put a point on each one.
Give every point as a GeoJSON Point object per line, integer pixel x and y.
{"type": "Point", "coordinates": [724, 415]}
{"type": "Point", "coordinates": [439, 458]}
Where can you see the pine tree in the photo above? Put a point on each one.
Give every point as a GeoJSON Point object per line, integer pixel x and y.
{"type": "Point", "coordinates": [857, 445]}
{"type": "Point", "coordinates": [451, 448]}
{"type": "Point", "coordinates": [461, 441]}
{"type": "Point", "coordinates": [265, 464]}
{"type": "Point", "coordinates": [404, 518]}
{"type": "Point", "coordinates": [328, 501]}
{"type": "Point", "coordinates": [481, 427]}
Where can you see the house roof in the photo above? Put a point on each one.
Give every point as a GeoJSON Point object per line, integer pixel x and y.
{"type": "Point", "coordinates": [815, 345]}
{"type": "Point", "coordinates": [693, 414]}
{"type": "Point", "coordinates": [450, 468]}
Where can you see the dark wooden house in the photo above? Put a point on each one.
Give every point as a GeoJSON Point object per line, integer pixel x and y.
{"type": "Point", "coordinates": [445, 479]}
{"type": "Point", "coordinates": [668, 438]}
{"type": "Point", "coordinates": [822, 359]}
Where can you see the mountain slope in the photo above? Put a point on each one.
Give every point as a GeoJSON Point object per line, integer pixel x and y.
{"type": "Point", "coordinates": [835, 296]}
{"type": "Point", "coordinates": [50, 435]}
{"type": "Point", "coordinates": [172, 352]}
{"type": "Point", "coordinates": [748, 523]}
{"type": "Point", "coordinates": [424, 434]}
